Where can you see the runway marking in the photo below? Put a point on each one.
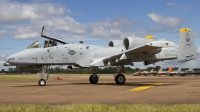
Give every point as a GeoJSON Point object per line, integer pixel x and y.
{"type": "Point", "coordinates": [145, 87]}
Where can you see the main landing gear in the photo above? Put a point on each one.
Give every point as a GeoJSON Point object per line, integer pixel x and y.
{"type": "Point", "coordinates": [94, 78]}
{"type": "Point", "coordinates": [120, 79]}
{"type": "Point", "coordinates": [42, 81]}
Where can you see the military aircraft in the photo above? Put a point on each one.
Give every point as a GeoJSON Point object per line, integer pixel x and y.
{"type": "Point", "coordinates": [118, 53]}
{"type": "Point", "coordinates": [172, 73]}
{"type": "Point", "coordinates": [196, 73]}
{"type": "Point", "coordinates": [141, 73]}
{"type": "Point", "coordinates": [189, 72]}
{"type": "Point", "coordinates": [161, 72]}
{"type": "Point", "coordinates": [147, 73]}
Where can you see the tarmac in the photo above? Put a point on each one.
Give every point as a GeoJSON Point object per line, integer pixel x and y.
{"type": "Point", "coordinates": [77, 89]}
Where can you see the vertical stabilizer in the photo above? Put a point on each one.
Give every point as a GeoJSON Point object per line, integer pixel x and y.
{"type": "Point", "coordinates": [160, 70]}
{"type": "Point", "coordinates": [191, 68]}
{"type": "Point", "coordinates": [186, 46]}
{"type": "Point", "coordinates": [179, 70]}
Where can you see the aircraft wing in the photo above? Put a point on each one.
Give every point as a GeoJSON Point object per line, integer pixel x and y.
{"type": "Point", "coordinates": [142, 49]}
{"type": "Point", "coordinates": [103, 61]}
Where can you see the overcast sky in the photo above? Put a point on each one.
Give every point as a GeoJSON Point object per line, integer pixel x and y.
{"type": "Point", "coordinates": [96, 22]}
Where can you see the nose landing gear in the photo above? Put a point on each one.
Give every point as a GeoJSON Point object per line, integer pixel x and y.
{"type": "Point", "coordinates": [42, 81]}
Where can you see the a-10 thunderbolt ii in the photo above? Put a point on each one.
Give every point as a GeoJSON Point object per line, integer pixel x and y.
{"type": "Point", "coordinates": [117, 53]}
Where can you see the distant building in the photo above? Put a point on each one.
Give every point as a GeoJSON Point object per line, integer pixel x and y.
{"type": "Point", "coordinates": [10, 70]}
{"type": "Point", "coordinates": [15, 69]}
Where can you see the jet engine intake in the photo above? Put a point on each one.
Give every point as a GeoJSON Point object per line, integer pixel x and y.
{"type": "Point", "coordinates": [149, 62]}
{"type": "Point", "coordinates": [115, 43]}
{"type": "Point", "coordinates": [131, 42]}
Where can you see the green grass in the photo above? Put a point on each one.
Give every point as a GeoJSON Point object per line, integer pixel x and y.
{"type": "Point", "coordinates": [19, 77]}
{"type": "Point", "coordinates": [99, 108]}
{"type": "Point", "coordinates": [33, 77]}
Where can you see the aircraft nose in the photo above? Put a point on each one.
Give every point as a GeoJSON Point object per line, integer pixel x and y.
{"type": "Point", "coordinates": [7, 59]}
{"type": "Point", "coordinates": [10, 59]}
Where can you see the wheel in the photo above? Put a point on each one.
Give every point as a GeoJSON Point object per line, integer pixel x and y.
{"type": "Point", "coordinates": [120, 79]}
{"type": "Point", "coordinates": [42, 82]}
{"type": "Point", "coordinates": [93, 79]}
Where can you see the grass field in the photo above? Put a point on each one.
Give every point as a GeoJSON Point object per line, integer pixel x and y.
{"type": "Point", "coordinates": [19, 77]}
{"type": "Point", "coordinates": [99, 108]}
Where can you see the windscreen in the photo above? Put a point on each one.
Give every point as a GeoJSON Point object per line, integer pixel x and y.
{"type": "Point", "coordinates": [35, 44]}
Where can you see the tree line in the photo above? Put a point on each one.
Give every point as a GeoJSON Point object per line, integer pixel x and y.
{"type": "Point", "coordinates": [105, 70]}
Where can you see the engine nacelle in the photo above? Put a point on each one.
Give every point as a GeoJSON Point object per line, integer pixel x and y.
{"type": "Point", "coordinates": [131, 42]}
{"type": "Point", "coordinates": [27, 66]}
{"type": "Point", "coordinates": [149, 62]}
{"type": "Point", "coordinates": [115, 43]}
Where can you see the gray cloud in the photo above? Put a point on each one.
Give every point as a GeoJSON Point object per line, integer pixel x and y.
{"type": "Point", "coordinates": [12, 11]}
{"type": "Point", "coordinates": [25, 20]}
{"type": "Point", "coordinates": [4, 48]}
{"type": "Point", "coordinates": [3, 33]}
{"type": "Point", "coordinates": [171, 4]}
{"type": "Point", "coordinates": [56, 17]}
{"type": "Point", "coordinates": [169, 22]}
{"type": "Point", "coordinates": [100, 32]}
{"type": "Point", "coordinates": [3, 58]}
{"type": "Point", "coordinates": [66, 24]}
{"type": "Point", "coordinates": [178, 6]}
{"type": "Point", "coordinates": [196, 34]}
{"type": "Point", "coordinates": [24, 32]}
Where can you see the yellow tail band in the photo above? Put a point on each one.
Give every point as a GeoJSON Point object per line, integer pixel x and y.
{"type": "Point", "coordinates": [184, 30]}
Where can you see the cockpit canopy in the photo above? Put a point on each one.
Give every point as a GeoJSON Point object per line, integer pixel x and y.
{"type": "Point", "coordinates": [50, 34]}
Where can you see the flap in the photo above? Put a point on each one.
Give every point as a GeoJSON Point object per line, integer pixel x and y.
{"type": "Point", "coordinates": [145, 48]}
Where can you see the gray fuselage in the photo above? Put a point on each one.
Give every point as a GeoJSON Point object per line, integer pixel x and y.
{"type": "Point", "coordinates": [76, 54]}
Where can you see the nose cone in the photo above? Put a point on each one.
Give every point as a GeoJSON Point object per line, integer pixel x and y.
{"type": "Point", "coordinates": [7, 59]}
{"type": "Point", "coordinates": [10, 59]}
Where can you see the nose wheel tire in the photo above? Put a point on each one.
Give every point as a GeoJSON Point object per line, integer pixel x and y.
{"type": "Point", "coordinates": [42, 82]}
{"type": "Point", "coordinates": [120, 79]}
{"type": "Point", "coordinates": [93, 79]}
